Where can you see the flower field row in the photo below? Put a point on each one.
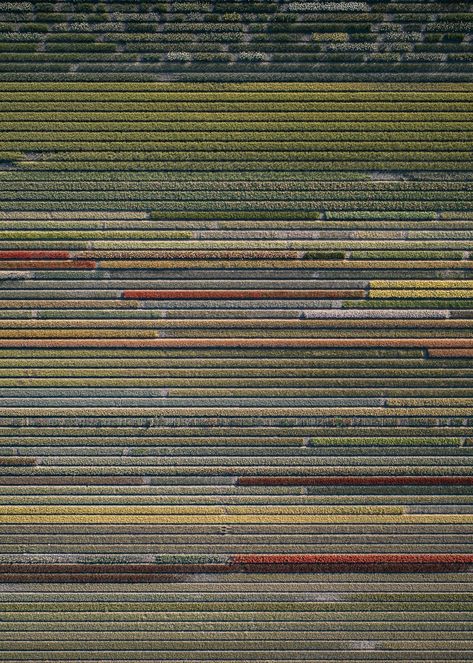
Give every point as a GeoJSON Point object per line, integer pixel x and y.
{"type": "Point", "coordinates": [183, 40]}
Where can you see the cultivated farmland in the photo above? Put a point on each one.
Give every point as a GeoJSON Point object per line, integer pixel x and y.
{"type": "Point", "coordinates": [236, 331]}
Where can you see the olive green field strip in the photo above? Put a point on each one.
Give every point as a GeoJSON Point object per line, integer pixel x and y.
{"type": "Point", "coordinates": [314, 172]}
{"type": "Point", "coordinates": [274, 40]}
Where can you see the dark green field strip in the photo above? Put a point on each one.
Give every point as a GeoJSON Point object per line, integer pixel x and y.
{"type": "Point", "coordinates": [253, 121]}
{"type": "Point", "coordinates": [383, 154]}
{"type": "Point", "coordinates": [125, 94]}
{"type": "Point", "coordinates": [263, 38]}
{"type": "Point", "coordinates": [28, 116]}
{"type": "Point", "coordinates": [177, 139]}
{"type": "Point", "coordinates": [146, 104]}
{"type": "Point", "coordinates": [253, 86]}
{"type": "Point", "coordinates": [337, 228]}
{"type": "Point", "coordinates": [315, 165]}
{"type": "Point", "coordinates": [104, 544]}
{"type": "Point", "coordinates": [14, 149]}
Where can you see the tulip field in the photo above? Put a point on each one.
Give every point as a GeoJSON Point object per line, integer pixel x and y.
{"type": "Point", "coordinates": [236, 331]}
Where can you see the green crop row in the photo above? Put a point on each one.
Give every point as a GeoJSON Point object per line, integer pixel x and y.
{"type": "Point", "coordinates": [208, 210]}
{"type": "Point", "coordinates": [295, 75]}
{"type": "Point", "coordinates": [258, 125]}
{"type": "Point", "coordinates": [244, 202]}
{"type": "Point", "coordinates": [267, 115]}
{"type": "Point", "coordinates": [314, 198]}
{"type": "Point", "coordinates": [253, 86]}
{"type": "Point", "coordinates": [298, 158]}
{"type": "Point", "coordinates": [354, 134]}
{"type": "Point", "coordinates": [216, 105]}
{"type": "Point", "coordinates": [245, 225]}
{"type": "Point", "coordinates": [49, 148]}
{"type": "Point", "coordinates": [287, 167]}
{"type": "Point", "coordinates": [269, 94]}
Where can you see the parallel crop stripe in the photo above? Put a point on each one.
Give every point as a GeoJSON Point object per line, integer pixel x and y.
{"type": "Point", "coordinates": [238, 411]}
{"type": "Point", "coordinates": [357, 481]}
{"type": "Point", "coordinates": [237, 308]}
{"type": "Point", "coordinates": [443, 519]}
{"type": "Point", "coordinates": [464, 343]}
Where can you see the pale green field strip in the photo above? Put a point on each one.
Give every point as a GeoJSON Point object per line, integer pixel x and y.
{"type": "Point", "coordinates": [207, 447]}
{"type": "Point", "coordinates": [218, 111]}
{"type": "Point", "coordinates": [408, 388]}
{"type": "Point", "coordinates": [213, 465]}
{"type": "Point", "coordinates": [271, 357]}
{"type": "Point", "coordinates": [332, 170]}
{"type": "Point", "coordinates": [84, 215]}
{"type": "Point", "coordinates": [34, 325]}
{"type": "Point", "coordinates": [214, 121]}
{"type": "Point", "coordinates": [356, 549]}
{"type": "Point", "coordinates": [34, 240]}
{"type": "Point", "coordinates": [173, 470]}
{"type": "Point", "coordinates": [254, 240]}
{"type": "Point", "coordinates": [233, 656]}
{"type": "Point", "coordinates": [235, 138]}
{"type": "Point", "coordinates": [123, 533]}
{"type": "Point", "coordinates": [179, 94]}
{"type": "Point", "coordinates": [244, 658]}
{"type": "Point", "coordinates": [225, 636]}
{"type": "Point", "coordinates": [15, 145]}
{"type": "Point", "coordinates": [459, 503]}
{"type": "Point", "coordinates": [289, 629]}
{"type": "Point", "coordinates": [205, 510]}
{"type": "Point", "coordinates": [227, 439]}
{"type": "Point", "coordinates": [87, 308]}
{"type": "Point", "coordinates": [176, 388]}
{"type": "Point", "coordinates": [27, 610]}
{"type": "Point", "coordinates": [355, 226]}
{"type": "Point", "coordinates": [242, 337]}
{"type": "Point", "coordinates": [247, 439]}
{"type": "Point", "coordinates": [204, 490]}
{"type": "Point", "coordinates": [107, 545]}
{"type": "Point", "coordinates": [178, 363]}
{"type": "Point", "coordinates": [40, 519]}
{"type": "Point", "coordinates": [178, 87]}
{"type": "Point", "coordinates": [240, 640]}
{"type": "Point", "coordinates": [211, 166]}
{"type": "Point", "coordinates": [461, 346]}
{"type": "Point", "coordinates": [393, 620]}
{"type": "Point", "coordinates": [232, 102]}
